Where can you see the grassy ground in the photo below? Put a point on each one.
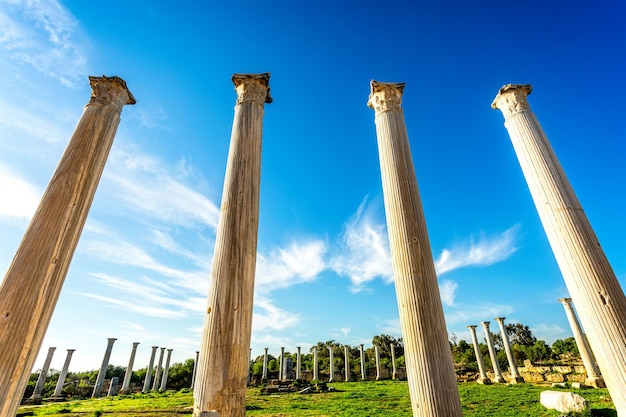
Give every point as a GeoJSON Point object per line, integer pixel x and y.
{"type": "Point", "coordinates": [353, 399]}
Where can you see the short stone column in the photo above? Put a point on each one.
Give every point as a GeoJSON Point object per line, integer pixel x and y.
{"type": "Point", "coordinates": [223, 369]}
{"type": "Point", "coordinates": [362, 358]}
{"type": "Point", "coordinates": [316, 365]}
{"type": "Point", "coordinates": [515, 375]}
{"type": "Point", "coordinates": [331, 371]}
{"type": "Point", "coordinates": [129, 370]}
{"type": "Point", "coordinates": [32, 284]}
{"type": "Point", "coordinates": [195, 368]}
{"type": "Point", "coordinates": [146, 382]}
{"type": "Point", "coordinates": [97, 389]}
{"type": "Point", "coordinates": [166, 371]}
{"type": "Point", "coordinates": [394, 369]}
{"type": "Point", "coordinates": [346, 355]}
{"type": "Point", "coordinates": [281, 365]}
{"type": "Point", "coordinates": [483, 379]}
{"type": "Point", "coordinates": [58, 391]}
{"type": "Point", "coordinates": [265, 363]}
{"type": "Point", "coordinates": [594, 378]}
{"type": "Point", "coordinates": [588, 275]}
{"type": "Point", "coordinates": [298, 363]}
{"type": "Point", "coordinates": [498, 378]}
{"type": "Point", "coordinates": [158, 370]}
{"type": "Point", "coordinates": [377, 353]}
{"type": "Point", "coordinates": [113, 386]}
{"type": "Point", "coordinates": [430, 369]}
{"type": "Point", "coordinates": [36, 397]}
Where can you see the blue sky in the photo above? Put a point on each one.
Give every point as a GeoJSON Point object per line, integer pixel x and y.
{"type": "Point", "coordinates": [142, 268]}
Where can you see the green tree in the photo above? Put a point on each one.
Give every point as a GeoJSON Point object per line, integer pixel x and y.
{"type": "Point", "coordinates": [565, 348]}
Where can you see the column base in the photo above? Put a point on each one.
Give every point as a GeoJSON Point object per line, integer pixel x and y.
{"type": "Point", "coordinates": [499, 380]}
{"type": "Point", "coordinates": [595, 381]}
{"type": "Point", "coordinates": [483, 381]}
{"type": "Point", "coordinates": [517, 380]}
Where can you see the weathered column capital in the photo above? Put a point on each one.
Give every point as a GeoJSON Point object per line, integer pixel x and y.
{"type": "Point", "coordinates": [110, 91]}
{"type": "Point", "coordinates": [385, 96]}
{"type": "Point", "coordinates": [565, 301]}
{"type": "Point", "coordinates": [253, 87]}
{"type": "Point", "coordinates": [472, 327]}
{"type": "Point", "coordinates": [485, 324]}
{"type": "Point", "coordinates": [511, 99]}
{"type": "Point", "coordinates": [499, 319]}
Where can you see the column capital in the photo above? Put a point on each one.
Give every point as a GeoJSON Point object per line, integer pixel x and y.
{"type": "Point", "coordinates": [565, 301]}
{"type": "Point", "coordinates": [499, 319]}
{"type": "Point", "coordinates": [71, 350]}
{"type": "Point", "coordinates": [385, 96]}
{"type": "Point", "coordinates": [472, 326]}
{"type": "Point", "coordinates": [110, 91]}
{"type": "Point", "coordinates": [253, 87]}
{"type": "Point", "coordinates": [169, 350]}
{"type": "Point", "coordinates": [135, 343]}
{"type": "Point", "coordinates": [485, 324]}
{"type": "Point", "coordinates": [511, 99]}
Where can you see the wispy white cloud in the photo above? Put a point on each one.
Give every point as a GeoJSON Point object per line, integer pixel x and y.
{"type": "Point", "coordinates": [20, 197]}
{"type": "Point", "coordinates": [475, 313]}
{"type": "Point", "coordinates": [447, 290]}
{"type": "Point", "coordinates": [484, 252]}
{"type": "Point", "coordinates": [134, 307]}
{"type": "Point", "coordinates": [46, 36]}
{"type": "Point", "coordinates": [549, 332]}
{"type": "Point", "coordinates": [268, 317]}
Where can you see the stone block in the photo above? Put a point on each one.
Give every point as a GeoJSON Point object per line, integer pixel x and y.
{"type": "Point", "coordinates": [554, 377]}
{"type": "Point", "coordinates": [562, 369]}
{"type": "Point", "coordinates": [564, 402]}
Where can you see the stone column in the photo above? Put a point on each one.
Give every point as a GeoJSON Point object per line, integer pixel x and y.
{"type": "Point", "coordinates": [331, 371]}
{"type": "Point", "coordinates": [316, 365]}
{"type": "Point", "coordinates": [515, 376]}
{"type": "Point", "coordinates": [36, 397]}
{"type": "Point", "coordinates": [588, 275]}
{"type": "Point", "coordinates": [346, 355]}
{"type": "Point", "coordinates": [34, 279]}
{"type": "Point", "coordinates": [362, 357]}
{"type": "Point", "coordinates": [265, 363]}
{"type": "Point", "coordinates": [430, 370]}
{"type": "Point", "coordinates": [377, 353]}
{"type": "Point", "coordinates": [479, 358]}
{"type": "Point", "coordinates": [129, 370]}
{"type": "Point", "coordinates": [97, 389]}
{"type": "Point", "coordinates": [61, 381]}
{"type": "Point", "coordinates": [394, 370]}
{"type": "Point", "coordinates": [223, 370]}
{"type": "Point", "coordinates": [113, 386]}
{"type": "Point", "coordinates": [166, 370]}
{"type": "Point", "coordinates": [157, 372]}
{"type": "Point", "coordinates": [146, 382]}
{"type": "Point", "coordinates": [195, 368]}
{"type": "Point", "coordinates": [281, 365]}
{"type": "Point", "coordinates": [498, 378]}
{"type": "Point", "coordinates": [593, 373]}
{"type": "Point", "coordinates": [298, 363]}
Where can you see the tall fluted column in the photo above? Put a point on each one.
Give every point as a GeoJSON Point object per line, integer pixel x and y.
{"type": "Point", "coordinates": [591, 282]}
{"type": "Point", "coordinates": [346, 356]}
{"type": "Point", "coordinates": [498, 378]}
{"type": "Point", "coordinates": [362, 357]}
{"type": "Point", "coordinates": [377, 353]}
{"type": "Point", "coordinates": [430, 369]}
{"type": "Point", "coordinates": [316, 365]}
{"type": "Point", "coordinates": [265, 363]}
{"type": "Point", "coordinates": [129, 370]}
{"type": "Point", "coordinates": [484, 379]}
{"type": "Point", "coordinates": [281, 370]}
{"type": "Point", "coordinates": [593, 373]}
{"type": "Point", "coordinates": [223, 370]}
{"type": "Point", "coordinates": [394, 369]}
{"type": "Point", "coordinates": [42, 376]}
{"type": "Point", "coordinates": [515, 375]}
{"type": "Point", "coordinates": [298, 363]}
{"type": "Point", "coordinates": [97, 389]}
{"type": "Point", "coordinates": [195, 368]}
{"type": "Point", "coordinates": [157, 371]}
{"type": "Point", "coordinates": [146, 382]}
{"type": "Point", "coordinates": [33, 282]}
{"type": "Point", "coordinates": [58, 391]}
{"type": "Point", "coordinates": [166, 370]}
{"type": "Point", "coordinates": [331, 371]}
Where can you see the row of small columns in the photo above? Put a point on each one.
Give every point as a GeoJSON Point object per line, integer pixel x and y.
{"type": "Point", "coordinates": [282, 363]}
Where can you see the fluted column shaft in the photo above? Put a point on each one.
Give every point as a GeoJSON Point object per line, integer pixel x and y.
{"type": "Point", "coordinates": [394, 370]}
{"type": "Point", "coordinates": [316, 365]}
{"type": "Point", "coordinates": [377, 353]}
{"type": "Point", "coordinates": [146, 382]}
{"type": "Point", "coordinates": [157, 372]}
{"type": "Point", "coordinates": [61, 381]}
{"type": "Point", "coordinates": [588, 275]}
{"type": "Point", "coordinates": [223, 369]}
{"type": "Point", "coordinates": [593, 373]}
{"type": "Point", "coordinates": [331, 371]}
{"type": "Point", "coordinates": [97, 389]}
{"type": "Point", "coordinates": [298, 363]}
{"type": "Point", "coordinates": [515, 376]}
{"type": "Point", "coordinates": [33, 282]}
{"type": "Point", "coordinates": [195, 368]}
{"type": "Point", "coordinates": [281, 367]}
{"type": "Point", "coordinates": [129, 370]}
{"type": "Point", "coordinates": [166, 371]}
{"type": "Point", "coordinates": [492, 354]}
{"type": "Point", "coordinates": [41, 380]}
{"type": "Point", "coordinates": [362, 357]}
{"type": "Point", "coordinates": [484, 379]}
{"type": "Point", "coordinates": [430, 369]}
{"type": "Point", "coordinates": [265, 363]}
{"type": "Point", "coordinates": [346, 355]}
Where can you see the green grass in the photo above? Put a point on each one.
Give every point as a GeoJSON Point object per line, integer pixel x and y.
{"type": "Point", "coordinates": [353, 399]}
